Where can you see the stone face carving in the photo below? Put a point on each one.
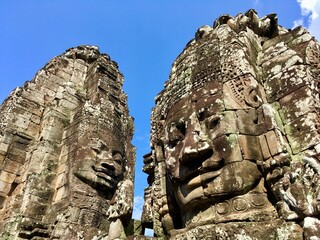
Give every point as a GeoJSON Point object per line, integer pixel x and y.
{"type": "Point", "coordinates": [235, 139]}
{"type": "Point", "coordinates": [235, 142]}
{"type": "Point", "coordinates": [67, 162]}
{"type": "Point", "coordinates": [202, 151]}
{"type": "Point", "coordinates": [104, 164]}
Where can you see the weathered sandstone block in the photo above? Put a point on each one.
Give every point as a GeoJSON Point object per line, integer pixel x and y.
{"type": "Point", "coordinates": [67, 162]}
{"type": "Point", "coordinates": [235, 135]}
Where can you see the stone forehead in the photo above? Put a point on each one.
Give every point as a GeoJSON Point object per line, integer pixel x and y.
{"type": "Point", "coordinates": [216, 54]}
{"type": "Point", "coordinates": [209, 96]}
{"type": "Point", "coordinates": [230, 54]}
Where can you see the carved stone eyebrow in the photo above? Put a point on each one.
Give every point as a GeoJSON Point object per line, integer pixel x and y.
{"type": "Point", "coordinates": [205, 113]}
{"type": "Point", "coordinates": [114, 152]}
{"type": "Point", "coordinates": [213, 121]}
{"type": "Point", "coordinates": [202, 113]}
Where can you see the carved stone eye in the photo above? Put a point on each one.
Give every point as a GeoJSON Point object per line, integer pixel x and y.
{"type": "Point", "coordinates": [117, 157]}
{"type": "Point", "coordinates": [182, 128]}
{"type": "Point", "coordinates": [213, 122]}
{"type": "Point", "coordinates": [252, 97]}
{"type": "Point", "coordinates": [176, 133]}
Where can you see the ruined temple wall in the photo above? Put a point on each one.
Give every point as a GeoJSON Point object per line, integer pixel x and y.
{"type": "Point", "coordinates": [270, 87]}
{"type": "Point", "coordinates": [215, 54]}
{"type": "Point", "coordinates": [290, 65]}
{"type": "Point", "coordinates": [42, 109]}
{"type": "Point", "coordinates": [50, 126]}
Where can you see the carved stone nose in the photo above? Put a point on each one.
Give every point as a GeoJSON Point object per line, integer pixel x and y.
{"type": "Point", "coordinates": [189, 149]}
{"type": "Point", "coordinates": [194, 148]}
{"type": "Point", "coordinates": [204, 150]}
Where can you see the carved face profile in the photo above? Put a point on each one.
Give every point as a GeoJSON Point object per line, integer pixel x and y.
{"type": "Point", "coordinates": [103, 166]}
{"type": "Point", "coordinates": [202, 151]}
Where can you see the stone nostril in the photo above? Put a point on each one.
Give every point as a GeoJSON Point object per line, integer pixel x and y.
{"type": "Point", "coordinates": [108, 166]}
{"type": "Point", "coordinates": [198, 154]}
{"type": "Point", "coordinates": [203, 146]}
{"type": "Point", "coordinates": [189, 154]}
{"type": "Point", "coordinates": [205, 153]}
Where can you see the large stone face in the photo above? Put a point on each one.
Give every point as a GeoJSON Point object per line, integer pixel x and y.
{"type": "Point", "coordinates": [235, 135]}
{"type": "Point", "coordinates": [67, 162]}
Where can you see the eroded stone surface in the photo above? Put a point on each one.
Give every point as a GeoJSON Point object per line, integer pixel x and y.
{"type": "Point", "coordinates": [67, 162]}
{"type": "Point", "coordinates": [235, 135]}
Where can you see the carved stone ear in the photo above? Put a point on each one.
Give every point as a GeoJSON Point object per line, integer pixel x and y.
{"type": "Point", "coordinates": [252, 97]}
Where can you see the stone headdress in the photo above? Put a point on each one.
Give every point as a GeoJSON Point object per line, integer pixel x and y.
{"type": "Point", "coordinates": [260, 65]}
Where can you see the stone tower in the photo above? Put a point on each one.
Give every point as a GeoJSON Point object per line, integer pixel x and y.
{"type": "Point", "coordinates": [67, 162]}
{"type": "Point", "coordinates": [235, 135]}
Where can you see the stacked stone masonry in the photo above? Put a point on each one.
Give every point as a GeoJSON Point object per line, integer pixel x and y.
{"type": "Point", "coordinates": [67, 162]}
{"type": "Point", "coordinates": [235, 144]}
{"type": "Point", "coordinates": [235, 135]}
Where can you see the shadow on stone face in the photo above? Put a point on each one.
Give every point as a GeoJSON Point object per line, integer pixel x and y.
{"type": "Point", "coordinates": [234, 135]}
{"type": "Point", "coordinates": [67, 159]}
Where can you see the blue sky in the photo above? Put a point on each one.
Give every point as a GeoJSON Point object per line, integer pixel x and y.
{"type": "Point", "coordinates": [143, 36]}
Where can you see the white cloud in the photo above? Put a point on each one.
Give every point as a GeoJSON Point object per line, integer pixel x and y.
{"type": "Point", "coordinates": [311, 10]}
{"type": "Point", "coordinates": [297, 23]}
{"type": "Point", "coordinates": [137, 207]}
{"type": "Point", "coordinates": [314, 28]}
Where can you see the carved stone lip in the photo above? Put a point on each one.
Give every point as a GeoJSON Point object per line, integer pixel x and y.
{"type": "Point", "coordinates": [104, 173]}
{"type": "Point", "coordinates": [202, 178]}
{"type": "Point", "coordinates": [96, 179]}
{"type": "Point", "coordinates": [105, 176]}
{"type": "Point", "coordinates": [104, 170]}
{"type": "Point", "coordinates": [105, 180]}
{"type": "Point", "coordinates": [209, 176]}
{"type": "Point", "coordinates": [201, 171]}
